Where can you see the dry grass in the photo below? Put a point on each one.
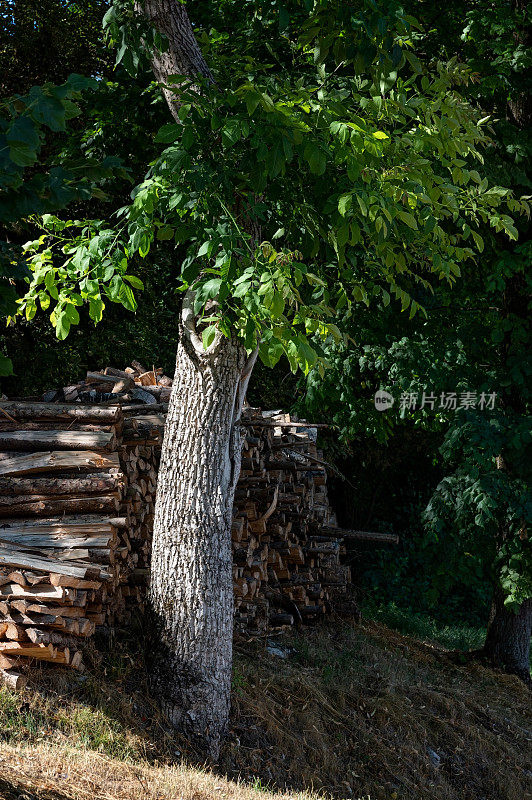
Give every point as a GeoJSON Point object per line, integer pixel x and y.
{"type": "Point", "coordinates": [65, 773]}
{"type": "Point", "coordinates": [355, 711]}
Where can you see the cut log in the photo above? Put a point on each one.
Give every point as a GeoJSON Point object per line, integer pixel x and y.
{"type": "Point", "coordinates": [15, 632]}
{"type": "Point", "coordinates": [31, 541]}
{"type": "Point", "coordinates": [42, 636]}
{"type": "Point", "coordinates": [54, 461]}
{"type": "Point", "coordinates": [73, 583]}
{"type": "Point", "coordinates": [53, 411]}
{"type": "Point", "coordinates": [40, 488]}
{"type": "Point", "coordinates": [55, 594]}
{"type": "Point", "coordinates": [66, 440]}
{"type": "Point", "coordinates": [14, 558]}
{"type": "Point", "coordinates": [89, 525]}
{"type": "Point", "coordinates": [11, 662]}
{"type": "Point", "coordinates": [26, 505]}
{"type": "Point", "coordinates": [13, 680]}
{"type": "Point", "coordinates": [368, 536]}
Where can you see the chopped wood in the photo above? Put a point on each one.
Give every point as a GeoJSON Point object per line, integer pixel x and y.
{"type": "Point", "coordinates": [90, 484]}
{"type": "Point", "coordinates": [12, 679]}
{"type": "Point", "coordinates": [368, 536]}
{"type": "Point", "coordinates": [57, 461]}
{"type": "Point", "coordinates": [54, 411]}
{"type": "Point", "coordinates": [75, 541]}
{"type": "Point", "coordinates": [33, 505]}
{"type": "Point", "coordinates": [15, 558]}
{"type": "Point", "coordinates": [67, 439]}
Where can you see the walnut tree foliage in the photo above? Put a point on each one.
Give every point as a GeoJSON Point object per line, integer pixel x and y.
{"type": "Point", "coordinates": [475, 338]}
{"type": "Point", "coordinates": [31, 183]}
{"type": "Point", "coordinates": [360, 165]}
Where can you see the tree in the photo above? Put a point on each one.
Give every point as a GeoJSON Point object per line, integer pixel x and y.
{"type": "Point", "coordinates": [477, 338]}
{"type": "Point", "coordinates": [352, 153]}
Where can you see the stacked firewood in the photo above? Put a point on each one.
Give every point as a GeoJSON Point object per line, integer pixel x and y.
{"type": "Point", "coordinates": [284, 571]}
{"type": "Point", "coordinates": [77, 499]}
{"type": "Point", "coordinates": [134, 384]}
{"type": "Point", "coordinates": [64, 520]}
{"type": "Point", "coordinates": [286, 547]}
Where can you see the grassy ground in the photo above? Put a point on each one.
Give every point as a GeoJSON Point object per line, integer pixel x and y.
{"type": "Point", "coordinates": [422, 626]}
{"type": "Point", "coordinates": [354, 711]}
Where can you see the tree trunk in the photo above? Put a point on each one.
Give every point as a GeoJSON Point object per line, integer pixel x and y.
{"type": "Point", "coordinates": [508, 638]}
{"type": "Point", "coordinates": [182, 55]}
{"type": "Point", "coordinates": [191, 590]}
{"type": "Point", "coordinates": [191, 586]}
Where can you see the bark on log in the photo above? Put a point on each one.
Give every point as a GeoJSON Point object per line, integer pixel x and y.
{"type": "Point", "coordinates": [367, 536]}
{"type": "Point", "coordinates": [72, 485]}
{"type": "Point", "coordinates": [15, 558]}
{"type": "Point", "coordinates": [57, 461]}
{"type": "Point", "coordinates": [35, 506]}
{"type": "Point", "coordinates": [52, 411]}
{"type": "Point", "coordinates": [66, 439]}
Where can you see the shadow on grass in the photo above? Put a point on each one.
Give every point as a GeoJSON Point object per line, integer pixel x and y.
{"type": "Point", "coordinates": [351, 711]}
{"type": "Point", "coordinates": [18, 791]}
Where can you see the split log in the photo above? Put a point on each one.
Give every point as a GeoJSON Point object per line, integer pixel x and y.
{"type": "Point", "coordinates": [57, 461]}
{"type": "Point", "coordinates": [13, 680]}
{"type": "Point", "coordinates": [16, 558]}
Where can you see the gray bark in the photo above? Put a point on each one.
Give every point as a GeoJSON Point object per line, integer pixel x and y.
{"type": "Point", "coordinates": [508, 638]}
{"type": "Point", "coordinates": [183, 55]}
{"type": "Point", "coordinates": [191, 589]}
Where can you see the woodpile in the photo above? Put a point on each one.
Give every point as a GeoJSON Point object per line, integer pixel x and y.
{"type": "Point", "coordinates": [285, 572]}
{"type": "Point", "coordinates": [135, 384]}
{"type": "Point", "coordinates": [62, 494]}
{"type": "Point", "coordinates": [77, 498]}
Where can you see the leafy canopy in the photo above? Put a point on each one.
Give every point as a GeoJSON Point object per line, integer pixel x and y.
{"type": "Point", "coordinates": [30, 185]}
{"type": "Point", "coordinates": [358, 164]}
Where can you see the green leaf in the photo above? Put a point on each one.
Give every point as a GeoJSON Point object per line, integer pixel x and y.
{"type": "Point", "coordinates": [135, 282]}
{"type": "Point", "coordinates": [253, 98]}
{"type": "Point", "coordinates": [72, 314]}
{"type": "Point", "coordinates": [231, 132]}
{"type": "Point", "coordinates": [408, 219]}
{"type": "Point", "coordinates": [165, 233]}
{"type": "Point", "coordinates": [168, 133]}
{"type": "Point", "coordinates": [62, 326]}
{"type": "Point", "coordinates": [344, 204]}
{"type": "Point", "coordinates": [241, 289]}
{"type": "Point", "coordinates": [316, 158]}
{"type": "Point", "coordinates": [277, 306]}
{"type": "Point", "coordinates": [96, 308]}
{"type": "Point", "coordinates": [479, 241]}
{"type": "Point", "coordinates": [208, 336]}
{"type": "Point", "coordinates": [204, 249]}
{"type": "Point", "coordinates": [270, 351]}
